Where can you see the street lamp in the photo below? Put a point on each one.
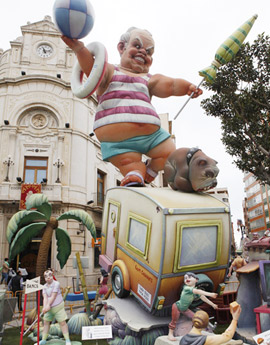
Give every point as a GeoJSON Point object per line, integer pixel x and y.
{"type": "Point", "coordinates": [8, 162]}
{"type": "Point", "coordinates": [58, 163]}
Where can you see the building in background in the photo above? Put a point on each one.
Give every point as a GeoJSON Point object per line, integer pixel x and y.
{"type": "Point", "coordinates": [220, 193]}
{"type": "Point", "coordinates": [46, 139]}
{"type": "Point", "coordinates": [256, 205]}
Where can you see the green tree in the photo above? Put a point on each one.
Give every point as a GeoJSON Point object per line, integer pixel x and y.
{"type": "Point", "coordinates": [241, 100]}
{"type": "Point", "coordinates": [27, 224]}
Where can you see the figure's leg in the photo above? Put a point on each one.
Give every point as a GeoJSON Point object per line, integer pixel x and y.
{"type": "Point", "coordinates": [159, 156]}
{"type": "Point", "coordinates": [172, 324]}
{"type": "Point", "coordinates": [45, 333]}
{"type": "Point", "coordinates": [127, 163]}
{"type": "Point", "coordinates": [189, 313]}
{"type": "Point", "coordinates": [64, 328]}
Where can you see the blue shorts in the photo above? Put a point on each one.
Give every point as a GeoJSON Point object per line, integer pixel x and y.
{"type": "Point", "coordinates": [140, 144]}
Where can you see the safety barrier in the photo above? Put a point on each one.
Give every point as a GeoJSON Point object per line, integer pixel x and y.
{"type": "Point", "coordinates": [80, 303]}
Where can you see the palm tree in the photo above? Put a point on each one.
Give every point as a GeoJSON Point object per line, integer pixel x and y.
{"type": "Point", "coordinates": [27, 224]}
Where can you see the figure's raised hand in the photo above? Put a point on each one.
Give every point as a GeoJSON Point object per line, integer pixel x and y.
{"type": "Point", "coordinates": [236, 312]}
{"type": "Point", "coordinates": [73, 43]}
{"type": "Point", "coordinates": [193, 89]}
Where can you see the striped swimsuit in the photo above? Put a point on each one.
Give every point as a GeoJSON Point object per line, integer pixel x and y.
{"type": "Point", "coordinates": [127, 99]}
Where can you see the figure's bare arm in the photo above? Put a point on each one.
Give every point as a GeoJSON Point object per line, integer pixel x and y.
{"type": "Point", "coordinates": [223, 338]}
{"type": "Point", "coordinates": [86, 60]}
{"type": "Point", "coordinates": [163, 87]}
{"type": "Point", "coordinates": [206, 300]}
{"type": "Point", "coordinates": [205, 293]}
{"type": "Point", "coordinates": [231, 268]}
{"type": "Point", "coordinates": [203, 297]}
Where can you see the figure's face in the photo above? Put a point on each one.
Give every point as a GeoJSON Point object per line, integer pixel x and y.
{"type": "Point", "coordinates": [48, 277]}
{"type": "Point", "coordinates": [136, 55]}
{"type": "Point", "coordinates": [189, 280]}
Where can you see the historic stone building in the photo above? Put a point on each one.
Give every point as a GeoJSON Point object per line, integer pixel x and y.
{"type": "Point", "coordinates": [46, 138]}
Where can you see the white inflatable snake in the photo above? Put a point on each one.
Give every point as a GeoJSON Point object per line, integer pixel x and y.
{"type": "Point", "coordinates": [84, 90]}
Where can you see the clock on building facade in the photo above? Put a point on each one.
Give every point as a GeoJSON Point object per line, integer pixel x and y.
{"type": "Point", "coordinates": [44, 50]}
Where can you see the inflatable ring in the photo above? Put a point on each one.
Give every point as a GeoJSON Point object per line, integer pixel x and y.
{"type": "Point", "coordinates": [84, 90]}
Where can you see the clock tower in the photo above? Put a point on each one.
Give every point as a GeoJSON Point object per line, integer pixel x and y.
{"type": "Point", "coordinates": [40, 50]}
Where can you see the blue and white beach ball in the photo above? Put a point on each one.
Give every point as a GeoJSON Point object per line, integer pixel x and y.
{"type": "Point", "coordinates": [74, 18]}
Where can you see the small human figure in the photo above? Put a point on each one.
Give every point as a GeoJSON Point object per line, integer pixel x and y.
{"type": "Point", "coordinates": [24, 273]}
{"type": "Point", "coordinates": [188, 294]}
{"type": "Point", "coordinates": [11, 274]}
{"type": "Point", "coordinates": [53, 308]}
{"type": "Point", "coordinates": [5, 271]}
{"type": "Point", "coordinates": [103, 281]}
{"type": "Point", "coordinates": [200, 322]}
{"type": "Point", "coordinates": [16, 286]}
{"type": "Point", "coordinates": [237, 263]}
{"type": "Point", "coordinates": [126, 123]}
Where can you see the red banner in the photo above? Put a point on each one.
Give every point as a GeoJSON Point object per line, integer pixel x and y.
{"type": "Point", "coordinates": [27, 189]}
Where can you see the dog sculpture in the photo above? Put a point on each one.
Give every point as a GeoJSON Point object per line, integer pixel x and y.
{"type": "Point", "coordinates": [190, 170]}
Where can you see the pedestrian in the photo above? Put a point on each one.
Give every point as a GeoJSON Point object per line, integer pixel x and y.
{"type": "Point", "coordinates": [5, 270]}
{"type": "Point", "coordinates": [16, 286]}
{"type": "Point", "coordinates": [11, 274]}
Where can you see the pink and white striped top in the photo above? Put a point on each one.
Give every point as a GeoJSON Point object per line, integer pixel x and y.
{"type": "Point", "coordinates": [127, 99]}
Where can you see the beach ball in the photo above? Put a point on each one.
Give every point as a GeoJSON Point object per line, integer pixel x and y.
{"type": "Point", "coordinates": [74, 18]}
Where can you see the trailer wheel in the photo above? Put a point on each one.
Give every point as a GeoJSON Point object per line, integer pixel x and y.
{"type": "Point", "coordinates": [204, 283]}
{"type": "Point", "coordinates": [118, 283]}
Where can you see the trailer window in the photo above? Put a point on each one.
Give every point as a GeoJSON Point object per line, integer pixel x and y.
{"type": "Point", "coordinates": [138, 234]}
{"type": "Point", "coordinates": [198, 244]}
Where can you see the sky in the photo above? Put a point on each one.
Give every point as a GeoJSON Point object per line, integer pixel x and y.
{"type": "Point", "coordinates": [187, 35]}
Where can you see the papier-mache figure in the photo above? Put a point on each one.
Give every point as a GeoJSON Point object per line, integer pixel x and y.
{"type": "Point", "coordinates": [188, 294]}
{"type": "Point", "coordinates": [237, 263]}
{"type": "Point", "coordinates": [200, 322]}
{"type": "Point", "coordinates": [103, 281]}
{"type": "Point", "coordinates": [126, 123]}
{"type": "Point", "coordinates": [53, 308]}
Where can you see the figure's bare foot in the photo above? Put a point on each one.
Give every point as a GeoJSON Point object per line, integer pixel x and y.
{"type": "Point", "coordinates": [171, 336]}
{"type": "Point", "coordinates": [133, 179]}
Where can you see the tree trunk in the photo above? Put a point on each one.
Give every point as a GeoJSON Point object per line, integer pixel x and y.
{"type": "Point", "coordinates": [44, 247]}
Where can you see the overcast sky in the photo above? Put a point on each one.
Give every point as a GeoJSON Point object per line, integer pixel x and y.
{"type": "Point", "coordinates": [187, 35]}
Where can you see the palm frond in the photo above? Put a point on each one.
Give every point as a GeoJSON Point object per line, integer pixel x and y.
{"type": "Point", "coordinates": [46, 209]}
{"type": "Point", "coordinates": [20, 219]}
{"type": "Point", "coordinates": [63, 243]}
{"type": "Point", "coordinates": [23, 238]}
{"type": "Point", "coordinates": [81, 216]}
{"type": "Point", "coordinates": [41, 203]}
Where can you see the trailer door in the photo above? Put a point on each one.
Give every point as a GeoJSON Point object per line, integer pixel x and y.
{"type": "Point", "coordinates": [112, 229]}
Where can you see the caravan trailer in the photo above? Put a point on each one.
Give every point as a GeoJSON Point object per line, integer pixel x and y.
{"type": "Point", "coordinates": [152, 236]}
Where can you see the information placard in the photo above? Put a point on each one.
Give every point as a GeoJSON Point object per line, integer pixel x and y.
{"type": "Point", "coordinates": [97, 332]}
{"type": "Point", "coordinates": [262, 338]}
